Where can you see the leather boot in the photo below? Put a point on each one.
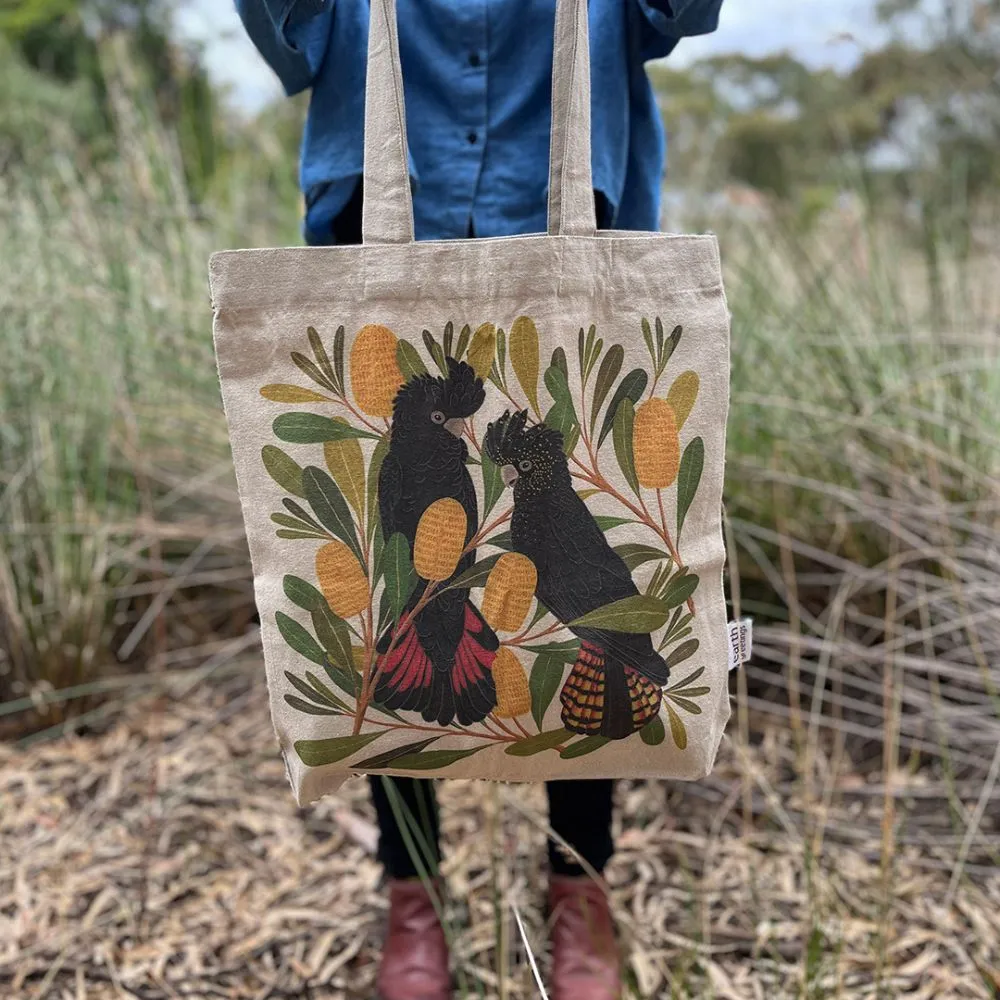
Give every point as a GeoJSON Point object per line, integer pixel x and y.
{"type": "Point", "coordinates": [585, 960]}
{"type": "Point", "coordinates": [415, 954]}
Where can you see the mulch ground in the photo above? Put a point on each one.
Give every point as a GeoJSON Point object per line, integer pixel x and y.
{"type": "Point", "coordinates": [165, 858]}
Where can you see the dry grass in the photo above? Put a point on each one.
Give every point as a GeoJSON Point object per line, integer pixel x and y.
{"type": "Point", "coordinates": [166, 859]}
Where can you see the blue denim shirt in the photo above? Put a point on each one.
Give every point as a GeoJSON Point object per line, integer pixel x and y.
{"type": "Point", "coordinates": [477, 79]}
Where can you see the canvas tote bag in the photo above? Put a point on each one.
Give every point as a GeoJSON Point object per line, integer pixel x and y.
{"type": "Point", "coordinates": [482, 479]}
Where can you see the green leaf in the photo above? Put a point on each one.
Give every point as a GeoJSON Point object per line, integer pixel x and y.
{"type": "Point", "coordinates": [297, 524]}
{"type": "Point", "coordinates": [299, 639]}
{"type": "Point", "coordinates": [475, 576]}
{"type": "Point", "coordinates": [312, 370]}
{"type": "Point", "coordinates": [559, 361]}
{"type": "Point", "coordinates": [434, 350]}
{"type": "Point", "coordinates": [687, 680]}
{"type": "Point", "coordinates": [622, 437]}
{"type": "Point", "coordinates": [482, 350]}
{"type": "Point", "coordinates": [330, 507]}
{"type": "Point", "coordinates": [283, 469]}
{"type": "Point", "coordinates": [562, 416]}
{"type": "Point", "coordinates": [606, 375]}
{"type": "Point", "coordinates": [316, 753]}
{"type": "Point", "coordinates": [374, 468]}
{"type": "Point", "coordinates": [688, 478]}
{"type": "Point", "coordinates": [582, 747]}
{"type": "Point", "coordinates": [607, 521]}
{"type": "Point", "coordinates": [464, 336]}
{"type": "Point", "coordinates": [677, 730]}
{"type": "Point", "coordinates": [637, 614]}
{"type": "Point", "coordinates": [400, 576]}
{"type": "Point", "coordinates": [322, 358]}
{"type": "Point", "coordinates": [632, 386]}
{"type": "Point", "coordinates": [523, 347]}
{"type": "Point", "coordinates": [448, 340]}
{"type": "Point", "coordinates": [314, 695]}
{"type": "Point", "coordinates": [653, 733]}
{"type": "Point", "coordinates": [493, 486]}
{"type": "Point", "coordinates": [285, 533]}
{"type": "Point", "coordinates": [682, 652]}
{"type": "Point", "coordinates": [566, 649]}
{"type": "Point", "coordinates": [635, 554]}
{"type": "Point", "coordinates": [303, 594]}
{"type": "Point", "coordinates": [347, 466]}
{"type": "Point", "coordinates": [687, 705]}
{"type": "Point", "coordinates": [647, 336]}
{"type": "Point", "coordinates": [543, 681]}
{"type": "Point", "coordinates": [311, 428]}
{"type": "Point", "coordinates": [536, 744]}
{"type": "Point", "coordinates": [432, 760]}
{"type": "Point", "coordinates": [310, 708]}
{"type": "Point", "coordinates": [409, 361]}
{"type": "Point", "coordinates": [501, 540]}
{"type": "Point", "coordinates": [338, 357]}
{"type": "Point", "coordinates": [335, 637]}
{"type": "Point", "coordinates": [323, 690]}
{"type": "Point", "coordinates": [385, 759]}
{"type": "Point", "coordinates": [680, 588]}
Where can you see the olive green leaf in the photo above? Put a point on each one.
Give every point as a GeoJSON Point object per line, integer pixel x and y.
{"type": "Point", "coordinates": [431, 760]}
{"type": "Point", "coordinates": [385, 759]}
{"type": "Point", "coordinates": [435, 351]}
{"type": "Point", "coordinates": [582, 747]}
{"type": "Point", "coordinates": [677, 730]}
{"type": "Point", "coordinates": [635, 554]}
{"type": "Point", "coordinates": [374, 468]}
{"type": "Point", "coordinates": [410, 363]}
{"type": "Point", "coordinates": [685, 703]}
{"type": "Point", "coordinates": [680, 588]}
{"type": "Point", "coordinates": [312, 370]}
{"type": "Point", "coordinates": [566, 650]}
{"type": "Point", "coordinates": [299, 639]}
{"type": "Point", "coordinates": [683, 394]}
{"type": "Point", "coordinates": [335, 638]}
{"type": "Point", "coordinates": [310, 708]}
{"type": "Point", "coordinates": [606, 375]}
{"type": "Point", "coordinates": [316, 753]}
{"type": "Point", "coordinates": [687, 680]}
{"type": "Point", "coordinates": [607, 521]}
{"type": "Point", "coordinates": [323, 691]}
{"type": "Point", "coordinates": [448, 339]}
{"type": "Point", "coordinates": [292, 394]}
{"type": "Point", "coordinates": [632, 386]}
{"type": "Point", "coordinates": [559, 361]}
{"type": "Point", "coordinates": [463, 342]}
{"type": "Point", "coordinates": [492, 483]}
{"type": "Point", "coordinates": [286, 533]}
{"type": "Point", "coordinates": [338, 357]}
{"type": "Point", "coordinates": [653, 734]}
{"type": "Point", "coordinates": [311, 428]}
{"type": "Point", "coordinates": [501, 540]}
{"type": "Point", "coordinates": [314, 694]}
{"type": "Point", "coordinates": [303, 594]}
{"type": "Point", "coordinates": [474, 576]}
{"type": "Point", "coordinates": [647, 336]}
{"type": "Point", "coordinates": [639, 613]}
{"type": "Point", "coordinates": [322, 358]}
{"type": "Point", "coordinates": [543, 682]}
{"type": "Point", "coordinates": [562, 416]}
{"type": "Point", "coordinates": [536, 744]}
{"type": "Point", "coordinates": [682, 652]}
{"type": "Point", "coordinates": [688, 478]}
{"type": "Point", "coordinates": [482, 350]}
{"type": "Point", "coordinates": [622, 438]}
{"type": "Point", "coordinates": [524, 357]}
{"type": "Point", "coordinates": [347, 466]}
{"type": "Point", "coordinates": [400, 576]}
{"type": "Point", "coordinates": [330, 507]}
{"type": "Point", "coordinates": [283, 469]}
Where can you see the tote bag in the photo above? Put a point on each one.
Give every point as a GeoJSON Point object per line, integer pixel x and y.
{"type": "Point", "coordinates": [482, 479]}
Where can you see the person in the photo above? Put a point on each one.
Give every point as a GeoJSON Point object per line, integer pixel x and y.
{"type": "Point", "coordinates": [477, 79]}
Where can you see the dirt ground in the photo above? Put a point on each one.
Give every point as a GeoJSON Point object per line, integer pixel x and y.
{"type": "Point", "coordinates": [167, 859]}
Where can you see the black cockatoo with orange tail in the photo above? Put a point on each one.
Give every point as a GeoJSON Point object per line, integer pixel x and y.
{"type": "Point", "coordinates": [615, 686]}
{"type": "Point", "coordinates": [440, 665]}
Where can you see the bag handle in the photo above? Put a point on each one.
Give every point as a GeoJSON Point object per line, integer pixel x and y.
{"type": "Point", "coordinates": [387, 213]}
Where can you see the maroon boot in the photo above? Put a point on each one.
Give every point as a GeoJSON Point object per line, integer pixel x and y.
{"type": "Point", "coordinates": [585, 960]}
{"type": "Point", "coordinates": [415, 954]}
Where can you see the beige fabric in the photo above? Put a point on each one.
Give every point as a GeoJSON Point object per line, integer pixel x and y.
{"type": "Point", "coordinates": [279, 394]}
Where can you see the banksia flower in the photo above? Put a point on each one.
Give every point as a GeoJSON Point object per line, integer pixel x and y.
{"type": "Point", "coordinates": [656, 448]}
{"type": "Point", "coordinates": [509, 591]}
{"type": "Point", "coordinates": [341, 579]}
{"type": "Point", "coordinates": [375, 374]}
{"type": "Point", "coordinates": [482, 349]}
{"type": "Point", "coordinates": [513, 694]}
{"type": "Point", "coordinates": [440, 539]}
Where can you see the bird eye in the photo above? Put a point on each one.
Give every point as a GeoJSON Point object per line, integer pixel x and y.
{"type": "Point", "coordinates": [438, 417]}
{"type": "Point", "coordinates": [524, 465]}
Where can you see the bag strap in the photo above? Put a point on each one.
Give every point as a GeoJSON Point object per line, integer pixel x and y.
{"type": "Point", "coordinates": [387, 213]}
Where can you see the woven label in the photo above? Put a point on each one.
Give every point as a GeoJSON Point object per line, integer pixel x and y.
{"type": "Point", "coordinates": [740, 641]}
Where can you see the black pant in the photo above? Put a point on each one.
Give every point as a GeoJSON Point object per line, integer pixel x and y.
{"type": "Point", "coordinates": [579, 812]}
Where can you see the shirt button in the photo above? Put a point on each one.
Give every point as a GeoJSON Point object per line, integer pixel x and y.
{"type": "Point", "coordinates": [474, 59]}
{"type": "Point", "coordinates": [473, 138]}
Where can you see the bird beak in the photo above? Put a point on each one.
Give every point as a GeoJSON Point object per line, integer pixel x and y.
{"type": "Point", "coordinates": [509, 474]}
{"type": "Point", "coordinates": [455, 425]}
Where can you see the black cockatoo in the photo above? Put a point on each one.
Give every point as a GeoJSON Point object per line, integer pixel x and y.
{"type": "Point", "coordinates": [442, 665]}
{"type": "Point", "coordinates": [614, 688]}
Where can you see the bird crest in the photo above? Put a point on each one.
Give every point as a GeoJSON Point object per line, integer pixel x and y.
{"type": "Point", "coordinates": [509, 438]}
{"type": "Point", "coordinates": [461, 394]}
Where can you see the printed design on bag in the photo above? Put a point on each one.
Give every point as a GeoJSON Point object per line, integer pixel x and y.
{"type": "Point", "coordinates": [462, 579]}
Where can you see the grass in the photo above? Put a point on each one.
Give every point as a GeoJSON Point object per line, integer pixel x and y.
{"type": "Point", "coordinates": [857, 799]}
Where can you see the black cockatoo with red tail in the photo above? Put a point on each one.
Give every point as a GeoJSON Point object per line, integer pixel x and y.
{"type": "Point", "coordinates": [615, 686]}
{"type": "Point", "coordinates": [441, 664]}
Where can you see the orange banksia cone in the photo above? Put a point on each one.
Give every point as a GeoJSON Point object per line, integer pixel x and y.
{"type": "Point", "coordinates": [375, 374]}
{"type": "Point", "coordinates": [656, 448]}
{"type": "Point", "coordinates": [510, 589]}
{"type": "Point", "coordinates": [440, 539]}
{"type": "Point", "coordinates": [513, 694]}
{"type": "Point", "coordinates": [341, 579]}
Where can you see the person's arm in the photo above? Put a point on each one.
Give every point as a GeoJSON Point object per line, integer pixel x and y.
{"type": "Point", "coordinates": [671, 20]}
{"type": "Point", "coordinates": [292, 35]}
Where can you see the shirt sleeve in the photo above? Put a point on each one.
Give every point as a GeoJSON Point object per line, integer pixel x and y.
{"type": "Point", "coordinates": [671, 20]}
{"type": "Point", "coordinates": [291, 35]}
